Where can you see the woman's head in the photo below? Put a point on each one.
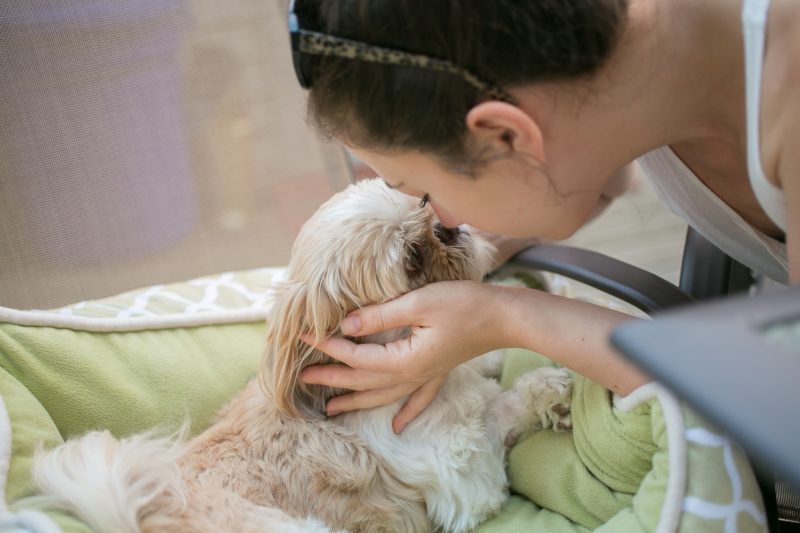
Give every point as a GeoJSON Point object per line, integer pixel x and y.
{"type": "Point", "coordinates": [505, 43]}
{"type": "Point", "coordinates": [432, 131]}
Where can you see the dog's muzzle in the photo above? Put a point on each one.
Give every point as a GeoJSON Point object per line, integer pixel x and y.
{"type": "Point", "coordinates": [447, 235]}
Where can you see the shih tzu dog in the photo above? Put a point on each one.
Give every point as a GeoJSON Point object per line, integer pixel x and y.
{"type": "Point", "coordinates": [273, 462]}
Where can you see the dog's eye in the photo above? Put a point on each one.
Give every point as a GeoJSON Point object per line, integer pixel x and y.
{"type": "Point", "coordinates": [425, 200]}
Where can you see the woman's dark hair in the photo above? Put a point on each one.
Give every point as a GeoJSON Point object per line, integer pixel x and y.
{"type": "Point", "coordinates": [504, 42]}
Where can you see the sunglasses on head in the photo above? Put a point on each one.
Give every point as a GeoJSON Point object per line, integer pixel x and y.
{"type": "Point", "coordinates": [305, 43]}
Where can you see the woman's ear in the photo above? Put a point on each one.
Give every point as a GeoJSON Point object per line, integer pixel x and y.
{"type": "Point", "coordinates": [506, 128]}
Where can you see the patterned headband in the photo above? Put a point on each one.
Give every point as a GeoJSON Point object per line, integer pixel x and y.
{"type": "Point", "coordinates": [315, 43]}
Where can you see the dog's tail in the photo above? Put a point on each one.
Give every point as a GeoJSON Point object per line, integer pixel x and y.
{"type": "Point", "coordinates": [120, 486]}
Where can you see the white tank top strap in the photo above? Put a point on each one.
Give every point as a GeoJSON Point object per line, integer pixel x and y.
{"type": "Point", "coordinates": [754, 22]}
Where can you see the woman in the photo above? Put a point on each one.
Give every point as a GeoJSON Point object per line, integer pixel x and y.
{"type": "Point", "coordinates": [514, 116]}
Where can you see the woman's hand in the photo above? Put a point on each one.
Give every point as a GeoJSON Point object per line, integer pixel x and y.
{"type": "Point", "coordinates": [451, 322]}
{"type": "Point", "coordinates": [454, 321]}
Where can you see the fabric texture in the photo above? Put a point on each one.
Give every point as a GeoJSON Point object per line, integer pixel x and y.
{"type": "Point", "coordinates": [686, 196]}
{"type": "Point", "coordinates": [629, 465]}
{"type": "Point", "coordinates": [754, 22]}
{"type": "Point", "coordinates": [150, 358]}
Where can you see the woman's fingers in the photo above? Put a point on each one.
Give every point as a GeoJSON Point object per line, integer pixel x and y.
{"type": "Point", "coordinates": [367, 399]}
{"type": "Point", "coordinates": [376, 318]}
{"type": "Point", "coordinates": [344, 377]}
{"type": "Point", "coordinates": [417, 403]}
{"type": "Point", "coordinates": [382, 374]}
{"type": "Point", "coordinates": [374, 357]}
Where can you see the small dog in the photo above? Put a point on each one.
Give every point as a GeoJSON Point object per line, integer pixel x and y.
{"type": "Point", "coordinates": [273, 462]}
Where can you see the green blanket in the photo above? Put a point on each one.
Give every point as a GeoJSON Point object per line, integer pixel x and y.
{"type": "Point", "coordinates": [154, 356]}
{"type": "Point", "coordinates": [638, 464]}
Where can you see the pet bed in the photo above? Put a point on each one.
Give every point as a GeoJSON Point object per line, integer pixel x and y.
{"type": "Point", "coordinates": [155, 356]}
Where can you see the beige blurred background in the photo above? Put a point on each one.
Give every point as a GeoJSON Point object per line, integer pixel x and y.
{"type": "Point", "coordinates": [149, 141]}
{"type": "Point", "coordinates": [144, 142]}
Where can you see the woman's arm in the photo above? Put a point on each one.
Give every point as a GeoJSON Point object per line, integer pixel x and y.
{"type": "Point", "coordinates": [453, 322]}
{"type": "Point", "coordinates": [574, 334]}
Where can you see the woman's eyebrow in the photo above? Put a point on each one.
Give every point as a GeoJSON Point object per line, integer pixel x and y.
{"type": "Point", "coordinates": [393, 186]}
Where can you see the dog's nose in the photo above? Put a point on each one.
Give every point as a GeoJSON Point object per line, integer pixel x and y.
{"type": "Point", "coordinates": [446, 235]}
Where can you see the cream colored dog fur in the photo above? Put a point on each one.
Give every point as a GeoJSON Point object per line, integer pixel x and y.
{"type": "Point", "coordinates": [272, 461]}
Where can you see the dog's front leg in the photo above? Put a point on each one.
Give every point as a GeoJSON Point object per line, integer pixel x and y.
{"type": "Point", "coordinates": [490, 364]}
{"type": "Point", "coordinates": [539, 399]}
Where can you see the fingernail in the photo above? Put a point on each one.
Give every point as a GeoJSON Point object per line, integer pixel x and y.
{"type": "Point", "coordinates": [330, 409]}
{"type": "Point", "coordinates": [350, 325]}
{"type": "Point", "coordinates": [397, 427]}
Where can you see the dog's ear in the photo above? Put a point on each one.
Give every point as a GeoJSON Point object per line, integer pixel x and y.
{"type": "Point", "coordinates": [298, 310]}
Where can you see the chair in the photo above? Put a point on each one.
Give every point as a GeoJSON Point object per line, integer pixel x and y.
{"type": "Point", "coordinates": [706, 273]}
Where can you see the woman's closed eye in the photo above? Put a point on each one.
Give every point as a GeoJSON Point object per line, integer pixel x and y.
{"type": "Point", "coordinates": [398, 187]}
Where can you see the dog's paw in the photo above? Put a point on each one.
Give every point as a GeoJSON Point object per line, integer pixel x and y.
{"type": "Point", "coordinates": [549, 395]}
{"type": "Point", "coordinates": [563, 412]}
